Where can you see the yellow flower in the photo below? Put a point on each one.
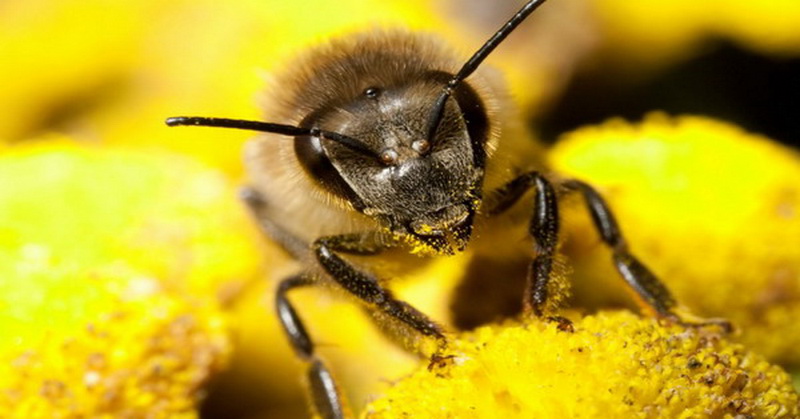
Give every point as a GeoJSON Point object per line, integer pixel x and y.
{"type": "Point", "coordinates": [114, 266]}
{"type": "Point", "coordinates": [148, 248]}
{"type": "Point", "coordinates": [614, 365]}
{"type": "Point", "coordinates": [81, 342]}
{"type": "Point", "coordinates": [111, 72]}
{"type": "Point", "coordinates": [713, 210]}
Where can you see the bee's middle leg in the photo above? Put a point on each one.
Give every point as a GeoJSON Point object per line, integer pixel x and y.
{"type": "Point", "coordinates": [543, 227]}
{"type": "Point", "coordinates": [325, 395]}
{"type": "Point", "coordinates": [647, 286]}
{"type": "Point", "coordinates": [652, 292]}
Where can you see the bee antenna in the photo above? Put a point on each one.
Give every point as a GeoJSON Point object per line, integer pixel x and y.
{"type": "Point", "coordinates": [288, 130]}
{"type": "Point", "coordinates": [472, 64]}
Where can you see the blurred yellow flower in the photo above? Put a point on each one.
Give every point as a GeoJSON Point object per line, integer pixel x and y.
{"type": "Point", "coordinates": [81, 342]}
{"type": "Point", "coordinates": [167, 215]}
{"type": "Point", "coordinates": [655, 32]}
{"type": "Point", "coordinates": [114, 266]}
{"type": "Point", "coordinates": [112, 72]}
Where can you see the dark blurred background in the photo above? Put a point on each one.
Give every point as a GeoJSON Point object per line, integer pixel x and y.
{"type": "Point", "coordinates": [761, 94]}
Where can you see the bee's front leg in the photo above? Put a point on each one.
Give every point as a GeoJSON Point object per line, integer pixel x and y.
{"type": "Point", "coordinates": [367, 288]}
{"type": "Point", "coordinates": [257, 205]}
{"type": "Point", "coordinates": [325, 396]}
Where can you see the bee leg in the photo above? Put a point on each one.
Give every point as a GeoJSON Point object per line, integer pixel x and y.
{"type": "Point", "coordinates": [325, 396]}
{"type": "Point", "coordinates": [641, 280]}
{"type": "Point", "coordinates": [366, 287]}
{"type": "Point", "coordinates": [294, 246]}
{"type": "Point", "coordinates": [543, 227]}
{"type": "Point", "coordinates": [652, 292]}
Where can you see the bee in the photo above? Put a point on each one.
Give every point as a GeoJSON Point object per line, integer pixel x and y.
{"type": "Point", "coordinates": [389, 144]}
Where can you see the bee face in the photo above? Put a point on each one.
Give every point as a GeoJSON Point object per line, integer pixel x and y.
{"type": "Point", "coordinates": [417, 185]}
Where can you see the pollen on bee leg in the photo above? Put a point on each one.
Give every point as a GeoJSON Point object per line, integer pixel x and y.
{"type": "Point", "coordinates": [556, 291]}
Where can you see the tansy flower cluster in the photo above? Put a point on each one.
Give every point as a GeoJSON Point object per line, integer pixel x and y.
{"type": "Point", "coordinates": [134, 284]}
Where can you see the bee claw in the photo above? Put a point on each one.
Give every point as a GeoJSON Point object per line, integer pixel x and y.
{"type": "Point", "coordinates": [564, 324]}
{"type": "Point", "coordinates": [440, 361]}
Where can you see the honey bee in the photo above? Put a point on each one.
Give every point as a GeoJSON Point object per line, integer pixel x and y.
{"type": "Point", "coordinates": [390, 144]}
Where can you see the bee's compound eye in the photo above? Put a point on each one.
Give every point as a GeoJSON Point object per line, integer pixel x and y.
{"type": "Point", "coordinates": [372, 92]}
{"type": "Point", "coordinates": [421, 146]}
{"type": "Point", "coordinates": [312, 157]}
{"type": "Point", "coordinates": [389, 156]}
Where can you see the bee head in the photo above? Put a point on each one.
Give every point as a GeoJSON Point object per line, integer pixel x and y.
{"type": "Point", "coordinates": [419, 181]}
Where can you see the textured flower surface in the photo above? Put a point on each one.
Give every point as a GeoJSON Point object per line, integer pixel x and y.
{"type": "Point", "coordinates": [614, 365]}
